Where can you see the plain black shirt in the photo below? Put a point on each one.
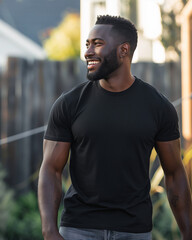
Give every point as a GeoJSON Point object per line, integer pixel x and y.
{"type": "Point", "coordinates": [112, 135]}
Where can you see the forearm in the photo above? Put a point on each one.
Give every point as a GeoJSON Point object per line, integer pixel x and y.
{"type": "Point", "coordinates": [179, 196]}
{"type": "Point", "coordinates": [49, 197]}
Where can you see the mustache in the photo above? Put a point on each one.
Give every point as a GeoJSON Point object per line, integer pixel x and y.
{"type": "Point", "coordinates": [93, 58]}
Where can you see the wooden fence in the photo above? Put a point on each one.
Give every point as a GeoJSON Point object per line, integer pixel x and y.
{"type": "Point", "coordinates": [27, 92]}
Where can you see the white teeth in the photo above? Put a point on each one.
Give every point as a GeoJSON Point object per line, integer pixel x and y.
{"type": "Point", "coordinates": [93, 62]}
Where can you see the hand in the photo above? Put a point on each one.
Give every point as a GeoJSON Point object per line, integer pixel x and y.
{"type": "Point", "coordinates": [55, 236]}
{"type": "Point", "coordinates": [187, 236]}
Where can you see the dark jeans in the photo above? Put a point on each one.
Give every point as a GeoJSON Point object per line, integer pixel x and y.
{"type": "Point", "coordinates": [69, 233]}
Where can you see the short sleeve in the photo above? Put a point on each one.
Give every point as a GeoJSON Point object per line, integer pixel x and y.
{"type": "Point", "coordinates": [59, 127]}
{"type": "Point", "coordinates": [168, 125]}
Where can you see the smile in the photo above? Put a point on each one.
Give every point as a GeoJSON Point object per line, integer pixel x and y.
{"type": "Point", "coordinates": [92, 64]}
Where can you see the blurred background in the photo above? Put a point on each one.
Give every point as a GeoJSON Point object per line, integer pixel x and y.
{"type": "Point", "coordinates": [41, 55]}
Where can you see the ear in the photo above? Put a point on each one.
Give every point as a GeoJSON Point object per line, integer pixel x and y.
{"type": "Point", "coordinates": [124, 50]}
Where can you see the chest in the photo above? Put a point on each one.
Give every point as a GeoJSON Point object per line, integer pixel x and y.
{"type": "Point", "coordinates": [117, 118]}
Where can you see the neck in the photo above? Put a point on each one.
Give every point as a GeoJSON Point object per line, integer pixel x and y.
{"type": "Point", "coordinates": [119, 81]}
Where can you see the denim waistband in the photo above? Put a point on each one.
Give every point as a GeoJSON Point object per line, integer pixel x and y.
{"type": "Point", "coordinates": [70, 233]}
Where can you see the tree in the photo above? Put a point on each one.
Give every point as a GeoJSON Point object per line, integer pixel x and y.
{"type": "Point", "coordinates": [64, 40]}
{"type": "Point", "coordinates": [170, 37]}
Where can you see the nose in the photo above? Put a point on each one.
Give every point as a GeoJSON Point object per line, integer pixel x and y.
{"type": "Point", "coordinates": [89, 52]}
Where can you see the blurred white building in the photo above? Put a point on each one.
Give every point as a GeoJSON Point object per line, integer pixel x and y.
{"type": "Point", "coordinates": [145, 14]}
{"type": "Point", "coordinates": [15, 44]}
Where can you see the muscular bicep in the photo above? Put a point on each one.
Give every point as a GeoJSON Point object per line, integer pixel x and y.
{"type": "Point", "coordinates": [55, 154]}
{"type": "Point", "coordinates": [170, 156]}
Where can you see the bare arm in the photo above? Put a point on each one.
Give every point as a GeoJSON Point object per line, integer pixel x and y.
{"type": "Point", "coordinates": [177, 185]}
{"type": "Point", "coordinates": [50, 186]}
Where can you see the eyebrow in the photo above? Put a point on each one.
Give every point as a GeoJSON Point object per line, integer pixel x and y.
{"type": "Point", "coordinates": [94, 39]}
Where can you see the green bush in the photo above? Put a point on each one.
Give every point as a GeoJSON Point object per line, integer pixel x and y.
{"type": "Point", "coordinates": [24, 222]}
{"type": "Point", "coordinates": [6, 202]}
{"type": "Point", "coordinates": [164, 224]}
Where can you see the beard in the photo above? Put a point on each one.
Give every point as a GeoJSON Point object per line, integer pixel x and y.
{"type": "Point", "coordinates": [109, 65]}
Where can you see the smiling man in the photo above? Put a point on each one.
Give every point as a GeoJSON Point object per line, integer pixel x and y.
{"type": "Point", "coordinates": [110, 124]}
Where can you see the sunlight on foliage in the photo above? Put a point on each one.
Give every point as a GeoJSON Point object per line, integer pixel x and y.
{"type": "Point", "coordinates": [64, 40]}
{"type": "Point", "coordinates": [164, 224]}
{"type": "Point", "coordinates": [158, 175]}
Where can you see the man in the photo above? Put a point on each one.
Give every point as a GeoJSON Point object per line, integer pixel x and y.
{"type": "Point", "coordinates": [110, 124]}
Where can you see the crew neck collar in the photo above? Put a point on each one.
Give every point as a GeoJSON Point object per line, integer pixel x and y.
{"type": "Point", "coordinates": [116, 93]}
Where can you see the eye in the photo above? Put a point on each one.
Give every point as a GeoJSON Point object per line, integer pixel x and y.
{"type": "Point", "coordinates": [87, 45]}
{"type": "Point", "coordinates": [97, 43]}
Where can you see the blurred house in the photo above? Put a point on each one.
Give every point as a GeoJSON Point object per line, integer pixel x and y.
{"type": "Point", "coordinates": [33, 18]}
{"type": "Point", "coordinates": [186, 43]}
{"type": "Point", "coordinates": [144, 14]}
{"type": "Point", "coordinates": [15, 44]}
{"type": "Point", "coordinates": [24, 24]}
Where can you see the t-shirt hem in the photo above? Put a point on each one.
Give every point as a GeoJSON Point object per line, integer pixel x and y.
{"type": "Point", "coordinates": [59, 139]}
{"type": "Point", "coordinates": [168, 139]}
{"type": "Point", "coordinates": [106, 227]}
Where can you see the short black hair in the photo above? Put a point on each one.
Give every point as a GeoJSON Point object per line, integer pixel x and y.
{"type": "Point", "coordinates": [124, 27]}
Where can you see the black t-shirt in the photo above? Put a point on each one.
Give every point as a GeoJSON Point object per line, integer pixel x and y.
{"type": "Point", "coordinates": [112, 135]}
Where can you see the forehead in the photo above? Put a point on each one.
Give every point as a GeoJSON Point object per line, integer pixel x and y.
{"type": "Point", "coordinates": [102, 31]}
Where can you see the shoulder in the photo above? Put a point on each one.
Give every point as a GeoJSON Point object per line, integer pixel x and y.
{"type": "Point", "coordinates": [158, 104]}
{"type": "Point", "coordinates": [77, 89]}
{"type": "Point", "coordinates": [72, 95]}
{"type": "Point", "coordinates": [66, 104]}
{"type": "Point", "coordinates": [148, 89]}
{"type": "Point", "coordinates": [69, 102]}
{"type": "Point", "coordinates": [163, 111]}
{"type": "Point", "coordinates": [152, 95]}
{"type": "Point", "coordinates": [76, 92]}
